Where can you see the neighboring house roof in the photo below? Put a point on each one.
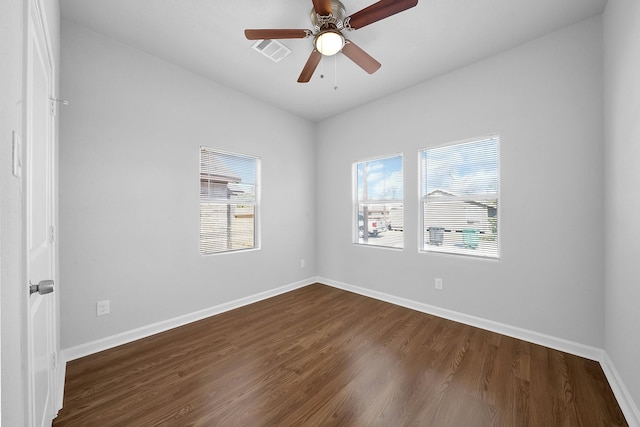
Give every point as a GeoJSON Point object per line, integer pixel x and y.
{"type": "Point", "coordinates": [224, 179]}
{"type": "Point", "coordinates": [439, 192]}
{"type": "Point", "coordinates": [215, 170]}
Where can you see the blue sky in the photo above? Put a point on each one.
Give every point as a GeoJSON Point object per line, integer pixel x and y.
{"type": "Point", "coordinates": [384, 178]}
{"type": "Point", "coordinates": [243, 167]}
{"type": "Point", "coordinates": [467, 168]}
{"type": "Point", "coordinates": [460, 169]}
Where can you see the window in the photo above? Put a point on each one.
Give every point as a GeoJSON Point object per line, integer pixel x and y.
{"type": "Point", "coordinates": [228, 201]}
{"type": "Point", "coordinates": [460, 198]}
{"type": "Point", "coordinates": [379, 219]}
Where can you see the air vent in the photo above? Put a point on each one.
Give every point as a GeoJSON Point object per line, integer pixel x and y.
{"type": "Point", "coordinates": [272, 49]}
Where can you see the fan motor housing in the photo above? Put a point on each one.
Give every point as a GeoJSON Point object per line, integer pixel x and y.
{"type": "Point", "coordinates": [335, 20]}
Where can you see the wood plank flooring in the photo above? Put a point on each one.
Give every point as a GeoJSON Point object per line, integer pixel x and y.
{"type": "Point", "coordinates": [319, 356]}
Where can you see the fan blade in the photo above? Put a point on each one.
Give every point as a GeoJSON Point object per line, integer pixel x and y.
{"type": "Point", "coordinates": [378, 11]}
{"type": "Point", "coordinates": [360, 57]}
{"type": "Point", "coordinates": [276, 34]}
{"type": "Point", "coordinates": [322, 7]}
{"type": "Point", "coordinates": [310, 66]}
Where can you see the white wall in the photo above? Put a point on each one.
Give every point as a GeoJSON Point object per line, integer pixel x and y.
{"type": "Point", "coordinates": [13, 283]}
{"type": "Point", "coordinates": [129, 226]}
{"type": "Point", "coordinates": [11, 259]}
{"type": "Point", "coordinates": [545, 100]}
{"type": "Point", "coordinates": [129, 189]}
{"type": "Point", "coordinates": [622, 190]}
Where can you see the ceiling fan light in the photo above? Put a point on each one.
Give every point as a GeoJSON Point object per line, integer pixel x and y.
{"type": "Point", "coordinates": [329, 43]}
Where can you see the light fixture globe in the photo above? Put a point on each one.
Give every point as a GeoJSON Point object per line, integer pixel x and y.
{"type": "Point", "coordinates": [329, 42]}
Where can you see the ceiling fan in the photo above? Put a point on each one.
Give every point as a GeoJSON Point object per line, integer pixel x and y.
{"type": "Point", "coordinates": [328, 19]}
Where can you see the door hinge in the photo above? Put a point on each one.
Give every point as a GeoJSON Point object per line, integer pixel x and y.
{"type": "Point", "coordinates": [54, 360]}
{"type": "Point", "coordinates": [52, 232]}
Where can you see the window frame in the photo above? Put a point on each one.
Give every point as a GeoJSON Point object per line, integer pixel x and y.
{"type": "Point", "coordinates": [256, 202]}
{"type": "Point", "coordinates": [423, 236]}
{"type": "Point", "coordinates": [356, 202]}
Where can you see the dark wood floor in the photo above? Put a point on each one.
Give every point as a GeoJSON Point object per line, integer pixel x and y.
{"type": "Point", "coordinates": [323, 356]}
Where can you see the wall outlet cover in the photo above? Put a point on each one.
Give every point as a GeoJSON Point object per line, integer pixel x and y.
{"type": "Point", "coordinates": [102, 308]}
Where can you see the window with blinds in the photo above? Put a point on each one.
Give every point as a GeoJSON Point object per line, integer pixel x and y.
{"type": "Point", "coordinates": [378, 207]}
{"type": "Point", "coordinates": [228, 201]}
{"type": "Point", "coordinates": [460, 187]}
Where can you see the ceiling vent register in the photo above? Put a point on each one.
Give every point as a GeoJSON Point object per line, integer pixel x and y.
{"type": "Point", "coordinates": [272, 49]}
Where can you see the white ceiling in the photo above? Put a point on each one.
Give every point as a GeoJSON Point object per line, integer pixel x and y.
{"type": "Point", "coordinates": [436, 36]}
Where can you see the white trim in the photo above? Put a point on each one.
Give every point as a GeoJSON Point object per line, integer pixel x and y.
{"type": "Point", "coordinates": [380, 157]}
{"type": "Point", "coordinates": [485, 137]}
{"type": "Point", "coordinates": [257, 201]}
{"type": "Point", "coordinates": [106, 343]}
{"type": "Point", "coordinates": [423, 198]}
{"type": "Point", "coordinates": [357, 203]}
{"type": "Point", "coordinates": [61, 373]}
{"type": "Point", "coordinates": [567, 346]}
{"type": "Point", "coordinates": [620, 391]}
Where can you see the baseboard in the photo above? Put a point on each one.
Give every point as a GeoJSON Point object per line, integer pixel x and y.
{"type": "Point", "coordinates": [96, 346]}
{"type": "Point", "coordinates": [620, 391]}
{"type": "Point", "coordinates": [60, 373]}
{"type": "Point", "coordinates": [567, 346]}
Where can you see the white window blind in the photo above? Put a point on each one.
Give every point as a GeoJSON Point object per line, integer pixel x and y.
{"type": "Point", "coordinates": [228, 201]}
{"type": "Point", "coordinates": [460, 186]}
{"type": "Point", "coordinates": [379, 211]}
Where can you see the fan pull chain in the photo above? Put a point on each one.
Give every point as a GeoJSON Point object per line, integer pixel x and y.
{"type": "Point", "coordinates": [335, 72]}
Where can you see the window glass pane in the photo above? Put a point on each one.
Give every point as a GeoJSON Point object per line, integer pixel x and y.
{"type": "Point", "coordinates": [379, 202]}
{"type": "Point", "coordinates": [460, 193]}
{"type": "Point", "coordinates": [228, 202]}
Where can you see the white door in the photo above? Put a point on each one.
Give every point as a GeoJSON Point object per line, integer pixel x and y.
{"type": "Point", "coordinates": [39, 210]}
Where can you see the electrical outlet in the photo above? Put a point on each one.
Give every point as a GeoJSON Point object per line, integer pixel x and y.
{"type": "Point", "coordinates": [439, 283]}
{"type": "Point", "coordinates": [302, 263]}
{"type": "Point", "coordinates": [102, 307]}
